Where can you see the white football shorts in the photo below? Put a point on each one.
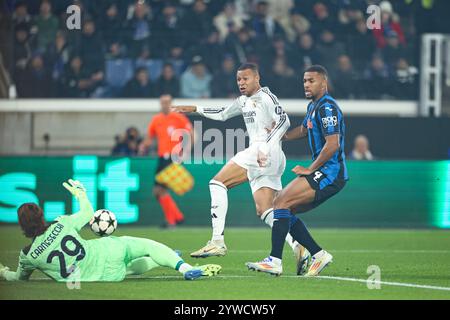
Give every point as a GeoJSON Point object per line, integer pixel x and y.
{"type": "Point", "coordinates": [269, 176]}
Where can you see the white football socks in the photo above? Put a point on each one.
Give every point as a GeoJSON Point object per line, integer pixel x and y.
{"type": "Point", "coordinates": [219, 207]}
{"type": "Point", "coordinates": [267, 217]}
{"type": "Point", "coordinates": [184, 268]}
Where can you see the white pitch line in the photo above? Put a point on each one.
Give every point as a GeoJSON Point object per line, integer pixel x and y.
{"type": "Point", "coordinates": [387, 283]}
{"type": "Point", "coordinates": [330, 250]}
{"type": "Point", "coordinates": [398, 284]}
{"type": "Point", "coordinates": [342, 251]}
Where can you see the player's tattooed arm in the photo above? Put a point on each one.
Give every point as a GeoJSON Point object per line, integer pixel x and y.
{"type": "Point", "coordinates": [296, 133]}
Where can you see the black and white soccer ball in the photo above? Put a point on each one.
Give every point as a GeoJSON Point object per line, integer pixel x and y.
{"type": "Point", "coordinates": [103, 223]}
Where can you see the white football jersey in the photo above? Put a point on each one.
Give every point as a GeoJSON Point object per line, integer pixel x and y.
{"type": "Point", "coordinates": [264, 118]}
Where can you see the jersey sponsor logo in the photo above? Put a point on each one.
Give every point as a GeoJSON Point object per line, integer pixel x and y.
{"type": "Point", "coordinates": [330, 121]}
{"type": "Point", "coordinates": [249, 116]}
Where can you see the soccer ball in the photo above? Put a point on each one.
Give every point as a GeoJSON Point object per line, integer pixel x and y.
{"type": "Point", "coordinates": [103, 223]}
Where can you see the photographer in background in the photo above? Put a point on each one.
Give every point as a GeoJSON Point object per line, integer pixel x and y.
{"type": "Point", "coordinates": [127, 145]}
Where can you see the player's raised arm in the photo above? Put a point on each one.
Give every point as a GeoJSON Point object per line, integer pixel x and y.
{"type": "Point", "coordinates": [215, 113]}
{"type": "Point", "coordinates": [81, 218]}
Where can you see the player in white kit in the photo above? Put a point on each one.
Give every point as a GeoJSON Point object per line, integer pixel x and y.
{"type": "Point", "coordinates": [262, 163]}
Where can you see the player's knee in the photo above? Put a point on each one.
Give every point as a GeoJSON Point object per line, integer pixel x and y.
{"type": "Point", "coordinates": [259, 210]}
{"type": "Point", "coordinates": [280, 203]}
{"type": "Point", "coordinates": [219, 183]}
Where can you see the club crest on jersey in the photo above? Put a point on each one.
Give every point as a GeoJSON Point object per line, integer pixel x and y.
{"type": "Point", "coordinates": [310, 124]}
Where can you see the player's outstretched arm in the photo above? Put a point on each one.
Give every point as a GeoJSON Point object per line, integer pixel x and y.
{"type": "Point", "coordinates": [214, 113]}
{"type": "Point", "coordinates": [81, 218]}
{"type": "Point", "coordinates": [296, 133]}
{"type": "Point", "coordinates": [24, 270]}
{"type": "Point", "coordinates": [184, 109]}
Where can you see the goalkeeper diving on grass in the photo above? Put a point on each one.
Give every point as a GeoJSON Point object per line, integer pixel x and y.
{"type": "Point", "coordinates": [58, 250]}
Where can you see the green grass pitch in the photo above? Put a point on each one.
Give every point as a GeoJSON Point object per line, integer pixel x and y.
{"type": "Point", "coordinates": [414, 264]}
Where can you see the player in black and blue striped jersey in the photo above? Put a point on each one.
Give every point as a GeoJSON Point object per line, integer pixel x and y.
{"type": "Point", "coordinates": [327, 175]}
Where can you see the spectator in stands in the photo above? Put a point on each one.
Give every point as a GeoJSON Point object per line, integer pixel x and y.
{"type": "Point", "coordinates": [306, 52]}
{"type": "Point", "coordinates": [360, 45]}
{"type": "Point", "coordinates": [22, 53]}
{"type": "Point", "coordinates": [228, 21]}
{"type": "Point", "coordinates": [393, 50]}
{"type": "Point", "coordinates": [139, 28]}
{"type": "Point", "coordinates": [405, 83]}
{"type": "Point", "coordinates": [280, 10]}
{"type": "Point", "coordinates": [196, 80]}
{"type": "Point", "coordinates": [297, 26]}
{"type": "Point", "coordinates": [21, 15]}
{"type": "Point", "coordinates": [346, 82]}
{"type": "Point", "coordinates": [377, 79]}
{"type": "Point", "coordinates": [91, 48]}
{"type": "Point", "coordinates": [78, 81]}
{"type": "Point", "coordinates": [111, 26]}
{"type": "Point", "coordinates": [224, 81]}
{"type": "Point", "coordinates": [140, 86]}
{"type": "Point", "coordinates": [168, 83]}
{"type": "Point", "coordinates": [36, 82]}
{"type": "Point", "coordinates": [329, 50]}
{"type": "Point", "coordinates": [361, 149]}
{"type": "Point", "coordinates": [127, 144]}
{"type": "Point", "coordinates": [389, 22]}
{"type": "Point", "coordinates": [241, 45]}
{"type": "Point", "coordinates": [210, 50]}
{"type": "Point", "coordinates": [47, 26]}
{"type": "Point", "coordinates": [197, 23]}
{"type": "Point", "coordinates": [263, 24]}
{"type": "Point", "coordinates": [279, 49]}
{"type": "Point", "coordinates": [349, 14]}
{"type": "Point", "coordinates": [282, 80]}
{"type": "Point", "coordinates": [322, 20]}
{"type": "Point", "coordinates": [168, 30]}
{"type": "Point", "coordinates": [57, 57]}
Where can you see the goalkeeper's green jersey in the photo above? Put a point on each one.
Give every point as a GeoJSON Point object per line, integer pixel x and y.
{"type": "Point", "coordinates": [63, 255]}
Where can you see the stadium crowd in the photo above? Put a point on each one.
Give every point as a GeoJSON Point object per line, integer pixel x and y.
{"type": "Point", "coordinates": [191, 48]}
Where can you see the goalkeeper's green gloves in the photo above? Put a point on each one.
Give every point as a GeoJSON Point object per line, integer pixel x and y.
{"type": "Point", "coordinates": [3, 270]}
{"type": "Point", "coordinates": [76, 188]}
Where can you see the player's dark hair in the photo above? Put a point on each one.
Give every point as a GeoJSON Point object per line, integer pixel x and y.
{"type": "Point", "coordinates": [249, 65]}
{"type": "Point", "coordinates": [31, 220]}
{"type": "Point", "coordinates": [319, 69]}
